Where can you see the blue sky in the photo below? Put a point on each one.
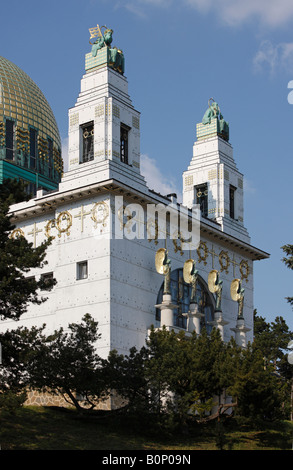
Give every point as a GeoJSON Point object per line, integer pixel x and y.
{"type": "Point", "coordinates": [178, 55]}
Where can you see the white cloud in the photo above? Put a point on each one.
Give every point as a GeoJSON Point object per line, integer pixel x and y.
{"type": "Point", "coordinates": [156, 180]}
{"type": "Point", "coordinates": [274, 56]}
{"type": "Point", "coordinates": [273, 13]}
{"type": "Point", "coordinates": [269, 12]}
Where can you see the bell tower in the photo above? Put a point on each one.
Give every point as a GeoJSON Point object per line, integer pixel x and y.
{"type": "Point", "coordinates": [212, 179]}
{"type": "Point", "coordinates": [104, 127]}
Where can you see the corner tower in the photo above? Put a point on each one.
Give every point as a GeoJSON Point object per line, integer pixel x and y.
{"type": "Point", "coordinates": [212, 179]}
{"type": "Point", "coordinates": [104, 127]}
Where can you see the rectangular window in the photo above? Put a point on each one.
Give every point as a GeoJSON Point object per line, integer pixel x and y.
{"type": "Point", "coordinates": [33, 148]}
{"type": "Point", "coordinates": [9, 139]}
{"type": "Point", "coordinates": [87, 142]}
{"type": "Point", "coordinates": [82, 270]}
{"type": "Point", "coordinates": [124, 138]}
{"type": "Point", "coordinates": [201, 197]}
{"type": "Point", "coordinates": [232, 190]}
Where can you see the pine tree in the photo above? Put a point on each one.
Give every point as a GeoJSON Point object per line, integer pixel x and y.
{"type": "Point", "coordinates": [288, 260]}
{"type": "Point", "coordinates": [17, 258]}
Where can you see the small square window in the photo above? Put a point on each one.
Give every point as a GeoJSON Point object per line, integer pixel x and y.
{"type": "Point", "coordinates": [82, 270]}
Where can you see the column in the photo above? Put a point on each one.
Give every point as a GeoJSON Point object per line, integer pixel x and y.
{"type": "Point", "coordinates": [167, 308]}
{"type": "Point", "coordinates": [240, 332]}
{"type": "Point", "coordinates": [193, 318]}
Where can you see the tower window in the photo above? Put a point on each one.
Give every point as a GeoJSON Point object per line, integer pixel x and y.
{"type": "Point", "coordinates": [9, 139]}
{"type": "Point", "coordinates": [124, 137]}
{"type": "Point", "coordinates": [87, 142]}
{"type": "Point", "coordinates": [232, 190]}
{"type": "Point", "coordinates": [33, 148]}
{"type": "Point", "coordinates": [201, 193]}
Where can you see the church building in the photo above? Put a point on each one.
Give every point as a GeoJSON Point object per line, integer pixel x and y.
{"type": "Point", "coordinates": [111, 253]}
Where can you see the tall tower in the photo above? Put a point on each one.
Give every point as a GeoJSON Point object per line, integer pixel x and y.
{"type": "Point", "coordinates": [212, 179]}
{"type": "Point", "coordinates": [104, 127]}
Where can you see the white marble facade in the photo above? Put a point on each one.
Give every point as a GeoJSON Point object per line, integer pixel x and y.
{"type": "Point", "coordinates": [113, 277]}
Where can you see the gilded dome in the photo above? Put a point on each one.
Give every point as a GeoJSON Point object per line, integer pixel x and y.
{"type": "Point", "coordinates": [24, 108]}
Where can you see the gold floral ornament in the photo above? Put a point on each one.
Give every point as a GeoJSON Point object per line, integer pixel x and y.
{"type": "Point", "coordinates": [178, 246]}
{"type": "Point", "coordinates": [244, 270]}
{"type": "Point", "coordinates": [224, 261]}
{"type": "Point", "coordinates": [48, 227]}
{"type": "Point", "coordinates": [17, 233]}
{"type": "Point", "coordinates": [153, 230]}
{"type": "Point", "coordinates": [202, 252]}
{"type": "Point", "coordinates": [100, 213]}
{"type": "Point", "coordinates": [63, 223]}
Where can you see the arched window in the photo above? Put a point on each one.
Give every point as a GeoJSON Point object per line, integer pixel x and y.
{"type": "Point", "coordinates": [181, 293]}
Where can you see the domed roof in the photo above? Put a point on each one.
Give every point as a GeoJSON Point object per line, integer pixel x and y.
{"type": "Point", "coordinates": [22, 100]}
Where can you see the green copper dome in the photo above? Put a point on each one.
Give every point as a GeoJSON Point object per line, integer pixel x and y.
{"type": "Point", "coordinates": [29, 135]}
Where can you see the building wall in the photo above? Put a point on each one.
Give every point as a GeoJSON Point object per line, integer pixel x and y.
{"type": "Point", "coordinates": [122, 286]}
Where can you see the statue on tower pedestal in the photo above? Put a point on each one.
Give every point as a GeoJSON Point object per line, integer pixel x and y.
{"type": "Point", "coordinates": [214, 112]}
{"type": "Point", "coordinates": [115, 56]}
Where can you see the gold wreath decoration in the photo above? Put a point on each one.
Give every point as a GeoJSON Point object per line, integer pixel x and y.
{"type": "Point", "coordinates": [244, 269]}
{"type": "Point", "coordinates": [224, 261]}
{"type": "Point", "coordinates": [100, 220]}
{"type": "Point", "coordinates": [17, 232]}
{"type": "Point", "coordinates": [49, 225]}
{"type": "Point", "coordinates": [65, 215]}
{"type": "Point", "coordinates": [202, 257]}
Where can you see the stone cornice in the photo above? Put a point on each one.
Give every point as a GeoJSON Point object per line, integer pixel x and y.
{"type": "Point", "coordinates": [49, 202]}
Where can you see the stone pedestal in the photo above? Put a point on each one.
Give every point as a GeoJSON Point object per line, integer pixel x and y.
{"type": "Point", "coordinates": [193, 318]}
{"type": "Point", "coordinates": [240, 332]}
{"type": "Point", "coordinates": [219, 322]}
{"type": "Point", "coordinates": [166, 307]}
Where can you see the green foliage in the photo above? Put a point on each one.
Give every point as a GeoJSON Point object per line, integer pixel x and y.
{"type": "Point", "coordinates": [17, 257]}
{"type": "Point", "coordinates": [288, 260]}
{"type": "Point", "coordinates": [19, 347]}
{"type": "Point", "coordinates": [255, 387]}
{"type": "Point", "coordinates": [11, 401]}
{"type": "Point", "coordinates": [68, 364]}
{"type": "Point", "coordinates": [175, 378]}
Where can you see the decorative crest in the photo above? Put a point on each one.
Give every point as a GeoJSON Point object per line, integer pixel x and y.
{"type": "Point", "coordinates": [96, 32]}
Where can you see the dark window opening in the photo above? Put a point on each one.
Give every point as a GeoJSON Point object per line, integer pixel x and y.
{"type": "Point", "coordinates": [47, 280]}
{"type": "Point", "coordinates": [33, 149]}
{"type": "Point", "coordinates": [87, 142]}
{"type": "Point", "coordinates": [232, 190]}
{"type": "Point", "coordinates": [82, 270]}
{"type": "Point", "coordinates": [124, 137]}
{"type": "Point", "coordinates": [201, 193]}
{"type": "Point", "coordinates": [9, 139]}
